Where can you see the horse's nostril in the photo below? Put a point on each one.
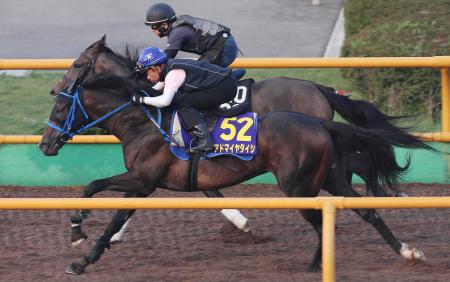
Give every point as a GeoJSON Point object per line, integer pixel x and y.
{"type": "Point", "coordinates": [42, 145]}
{"type": "Point", "coordinates": [52, 92]}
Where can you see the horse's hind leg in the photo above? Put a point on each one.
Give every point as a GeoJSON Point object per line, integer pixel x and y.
{"type": "Point", "coordinates": [315, 218]}
{"type": "Point", "coordinates": [233, 215]}
{"type": "Point", "coordinates": [302, 186]}
{"type": "Point", "coordinates": [116, 238]}
{"type": "Point", "coordinates": [371, 216]}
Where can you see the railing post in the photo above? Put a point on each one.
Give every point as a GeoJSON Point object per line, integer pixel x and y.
{"type": "Point", "coordinates": [445, 92]}
{"type": "Point", "coordinates": [328, 241]}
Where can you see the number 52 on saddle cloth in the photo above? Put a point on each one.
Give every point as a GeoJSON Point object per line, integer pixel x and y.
{"type": "Point", "coordinates": [235, 136]}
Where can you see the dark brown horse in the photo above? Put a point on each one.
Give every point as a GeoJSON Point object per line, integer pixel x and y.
{"type": "Point", "coordinates": [273, 94]}
{"type": "Point", "coordinates": [306, 154]}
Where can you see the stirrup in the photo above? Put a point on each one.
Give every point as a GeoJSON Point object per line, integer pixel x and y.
{"type": "Point", "coordinates": [204, 142]}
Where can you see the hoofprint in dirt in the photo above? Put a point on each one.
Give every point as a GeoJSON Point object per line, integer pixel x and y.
{"type": "Point", "coordinates": [199, 245]}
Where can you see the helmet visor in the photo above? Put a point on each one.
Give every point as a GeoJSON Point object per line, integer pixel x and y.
{"type": "Point", "coordinates": [153, 26]}
{"type": "Point", "coordinates": [140, 68]}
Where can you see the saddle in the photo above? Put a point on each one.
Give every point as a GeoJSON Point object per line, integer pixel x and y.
{"type": "Point", "coordinates": [231, 125]}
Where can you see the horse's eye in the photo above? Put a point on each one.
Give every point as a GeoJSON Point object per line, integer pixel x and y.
{"type": "Point", "coordinates": [59, 110]}
{"type": "Point", "coordinates": [77, 66]}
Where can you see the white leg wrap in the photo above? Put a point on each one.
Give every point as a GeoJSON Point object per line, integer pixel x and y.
{"type": "Point", "coordinates": [412, 254]}
{"type": "Point", "coordinates": [118, 236]}
{"type": "Point", "coordinates": [237, 218]}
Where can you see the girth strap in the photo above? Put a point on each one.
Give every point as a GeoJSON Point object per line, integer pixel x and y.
{"type": "Point", "coordinates": [193, 172]}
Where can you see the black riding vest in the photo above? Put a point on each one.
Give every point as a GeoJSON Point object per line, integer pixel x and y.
{"type": "Point", "coordinates": [209, 38]}
{"type": "Point", "coordinates": [199, 74]}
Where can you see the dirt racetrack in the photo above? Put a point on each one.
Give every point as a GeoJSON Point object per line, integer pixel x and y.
{"type": "Point", "coordinates": [199, 245]}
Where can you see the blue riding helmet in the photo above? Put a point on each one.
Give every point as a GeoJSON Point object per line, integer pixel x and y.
{"type": "Point", "coordinates": [150, 56]}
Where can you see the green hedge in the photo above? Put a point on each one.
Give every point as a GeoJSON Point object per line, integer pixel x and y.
{"type": "Point", "coordinates": [398, 28]}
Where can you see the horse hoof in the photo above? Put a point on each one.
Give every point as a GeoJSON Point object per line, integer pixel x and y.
{"type": "Point", "coordinates": [412, 254]}
{"type": "Point", "coordinates": [77, 236]}
{"type": "Point", "coordinates": [314, 268]}
{"type": "Point", "coordinates": [77, 242]}
{"type": "Point", "coordinates": [246, 228]}
{"type": "Point", "coordinates": [75, 268]}
{"type": "Point", "coordinates": [418, 255]}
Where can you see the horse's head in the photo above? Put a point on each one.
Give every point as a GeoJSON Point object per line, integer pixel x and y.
{"type": "Point", "coordinates": [67, 117]}
{"type": "Point", "coordinates": [89, 103]}
{"type": "Point", "coordinates": [68, 113]}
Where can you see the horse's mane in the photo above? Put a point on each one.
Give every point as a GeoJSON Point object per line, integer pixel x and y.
{"type": "Point", "coordinates": [129, 58]}
{"type": "Point", "coordinates": [123, 86]}
{"type": "Point", "coordinates": [110, 82]}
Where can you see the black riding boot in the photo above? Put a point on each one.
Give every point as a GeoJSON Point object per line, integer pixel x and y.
{"type": "Point", "coordinates": [205, 144]}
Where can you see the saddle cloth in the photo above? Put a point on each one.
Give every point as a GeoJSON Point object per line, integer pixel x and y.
{"type": "Point", "coordinates": [234, 136]}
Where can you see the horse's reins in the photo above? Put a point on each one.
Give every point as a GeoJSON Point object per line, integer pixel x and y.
{"type": "Point", "coordinates": [66, 130]}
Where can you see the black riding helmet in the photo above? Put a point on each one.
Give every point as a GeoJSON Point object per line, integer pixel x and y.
{"type": "Point", "coordinates": [159, 13]}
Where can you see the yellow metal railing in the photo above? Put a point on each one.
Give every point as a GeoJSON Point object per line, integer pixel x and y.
{"type": "Point", "coordinates": [442, 62]}
{"type": "Point", "coordinates": [350, 62]}
{"type": "Point", "coordinates": [328, 205]}
{"type": "Point", "coordinates": [110, 139]}
{"type": "Point", "coordinates": [79, 139]}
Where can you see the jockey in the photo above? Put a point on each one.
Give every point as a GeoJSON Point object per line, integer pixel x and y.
{"type": "Point", "coordinates": [212, 41]}
{"type": "Point", "coordinates": [188, 85]}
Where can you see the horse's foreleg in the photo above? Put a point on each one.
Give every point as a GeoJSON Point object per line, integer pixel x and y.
{"type": "Point", "coordinates": [126, 182]}
{"type": "Point", "coordinates": [77, 235]}
{"type": "Point", "coordinates": [119, 219]}
{"type": "Point", "coordinates": [233, 215]}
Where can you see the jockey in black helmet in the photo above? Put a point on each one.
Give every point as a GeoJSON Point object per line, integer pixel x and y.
{"type": "Point", "coordinates": [189, 85]}
{"type": "Point", "coordinates": [212, 41]}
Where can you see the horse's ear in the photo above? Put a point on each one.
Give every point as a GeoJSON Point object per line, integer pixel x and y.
{"type": "Point", "coordinates": [98, 45]}
{"type": "Point", "coordinates": [103, 39]}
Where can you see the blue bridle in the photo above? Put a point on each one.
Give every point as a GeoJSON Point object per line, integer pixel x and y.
{"type": "Point", "coordinates": [67, 133]}
{"type": "Point", "coordinates": [66, 130]}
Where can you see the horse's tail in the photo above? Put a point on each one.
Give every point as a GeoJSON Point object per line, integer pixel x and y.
{"type": "Point", "coordinates": [365, 114]}
{"type": "Point", "coordinates": [373, 148]}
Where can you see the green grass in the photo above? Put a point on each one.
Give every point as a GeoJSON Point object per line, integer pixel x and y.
{"type": "Point", "coordinates": [25, 103]}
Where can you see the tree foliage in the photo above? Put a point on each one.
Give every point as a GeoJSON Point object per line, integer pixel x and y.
{"type": "Point", "coordinates": [398, 28]}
